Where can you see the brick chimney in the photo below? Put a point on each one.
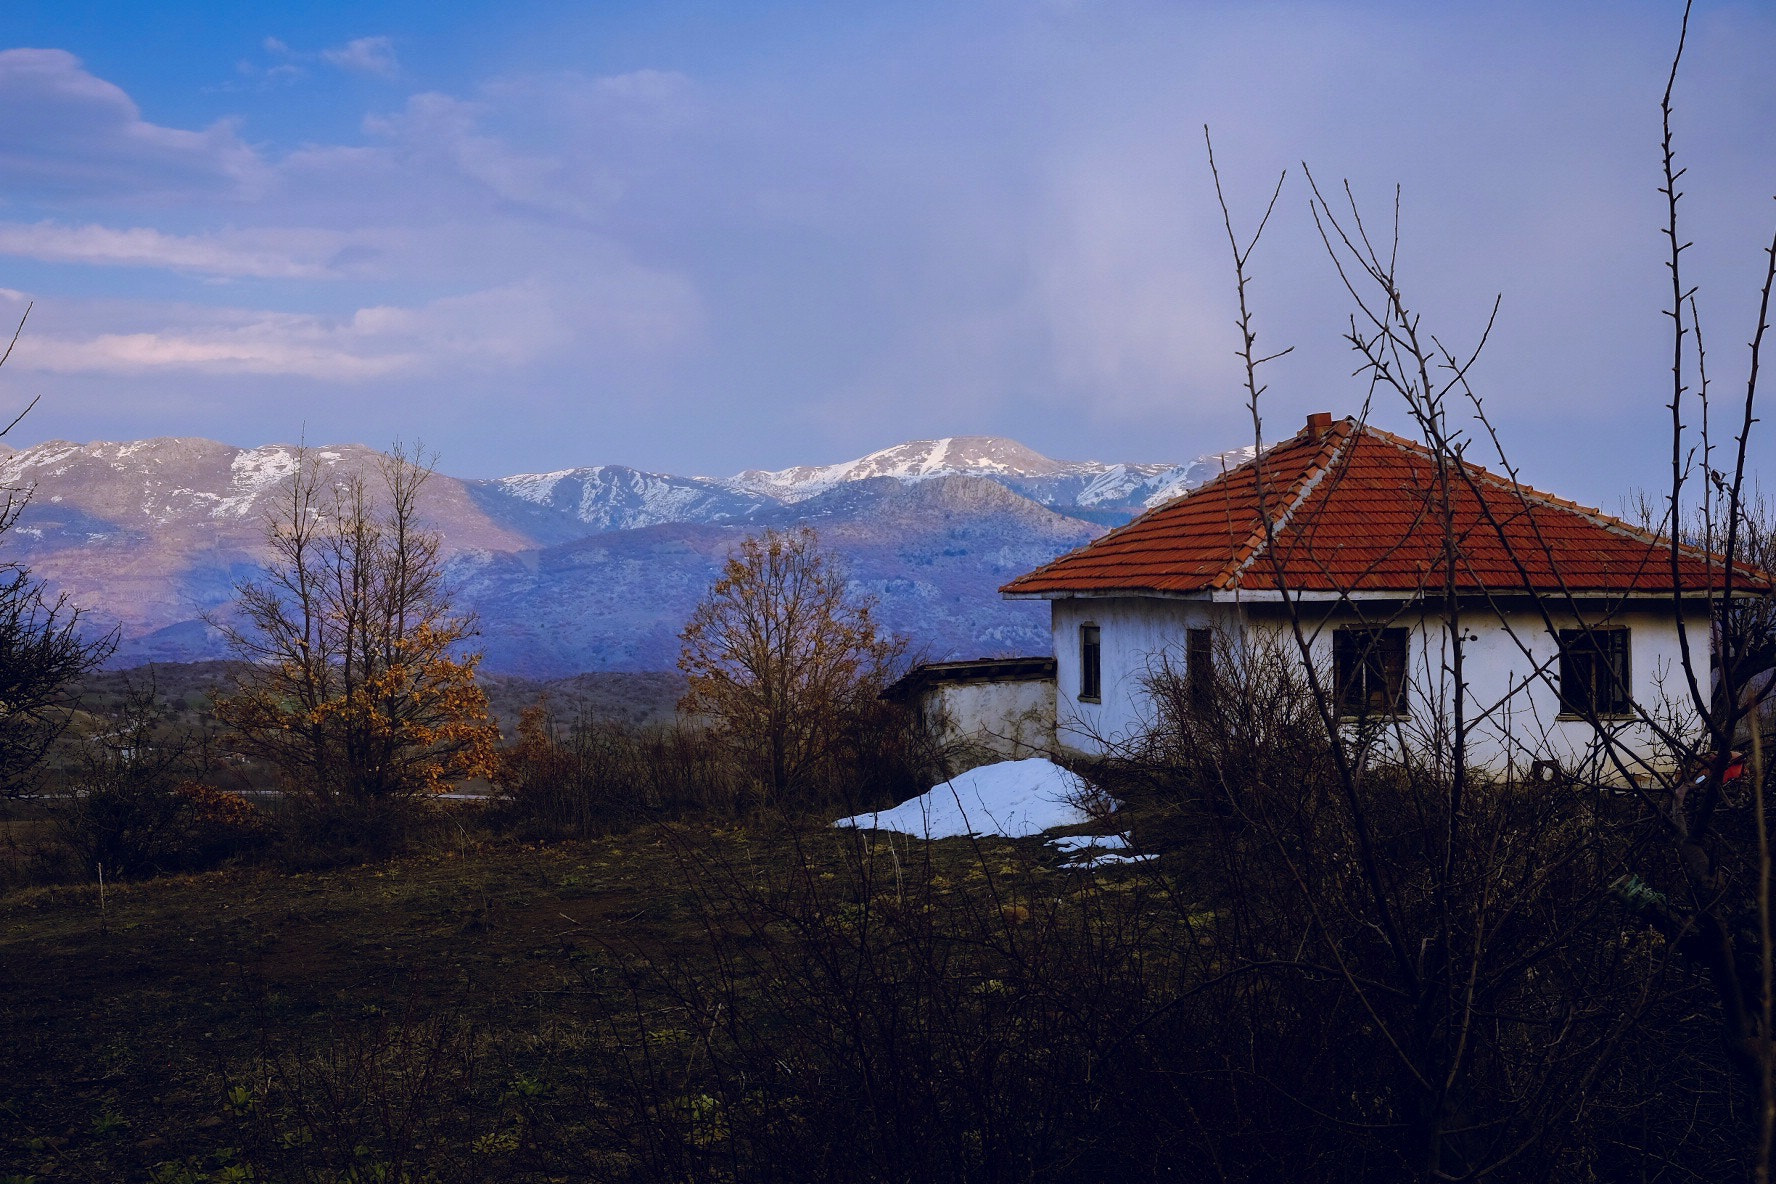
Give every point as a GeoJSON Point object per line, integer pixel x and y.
{"type": "Point", "coordinates": [1318, 424]}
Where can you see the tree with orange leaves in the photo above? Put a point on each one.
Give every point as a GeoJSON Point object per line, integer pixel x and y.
{"type": "Point", "coordinates": [356, 683]}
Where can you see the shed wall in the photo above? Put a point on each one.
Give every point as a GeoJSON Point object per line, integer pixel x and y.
{"type": "Point", "coordinates": [1012, 719]}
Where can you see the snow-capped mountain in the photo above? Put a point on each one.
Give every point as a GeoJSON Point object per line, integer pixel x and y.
{"type": "Point", "coordinates": [564, 504]}
{"type": "Point", "coordinates": [585, 568]}
{"type": "Point", "coordinates": [917, 460]}
{"type": "Point", "coordinates": [568, 504]}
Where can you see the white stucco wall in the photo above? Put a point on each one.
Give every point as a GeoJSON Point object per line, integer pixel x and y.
{"type": "Point", "coordinates": [1135, 635]}
{"type": "Point", "coordinates": [1511, 670]}
{"type": "Point", "coordinates": [1013, 719]}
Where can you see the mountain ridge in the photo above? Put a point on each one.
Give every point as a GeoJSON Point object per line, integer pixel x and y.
{"type": "Point", "coordinates": [579, 569]}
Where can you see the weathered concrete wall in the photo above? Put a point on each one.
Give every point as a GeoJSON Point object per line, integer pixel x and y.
{"type": "Point", "coordinates": [1011, 719]}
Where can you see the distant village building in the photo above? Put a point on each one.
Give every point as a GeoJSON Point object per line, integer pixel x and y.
{"type": "Point", "coordinates": [1570, 615]}
{"type": "Point", "coordinates": [985, 709]}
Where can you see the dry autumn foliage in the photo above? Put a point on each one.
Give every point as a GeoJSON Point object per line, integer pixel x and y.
{"type": "Point", "coordinates": [783, 657]}
{"type": "Point", "coordinates": [355, 685]}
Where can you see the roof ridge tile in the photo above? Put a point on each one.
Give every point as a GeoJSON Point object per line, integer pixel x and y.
{"type": "Point", "coordinates": [1305, 483]}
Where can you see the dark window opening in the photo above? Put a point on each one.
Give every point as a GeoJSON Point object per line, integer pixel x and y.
{"type": "Point", "coordinates": [1369, 671]}
{"type": "Point", "coordinates": [1090, 672]}
{"type": "Point", "coordinates": [1594, 672]}
{"type": "Point", "coordinates": [1199, 665]}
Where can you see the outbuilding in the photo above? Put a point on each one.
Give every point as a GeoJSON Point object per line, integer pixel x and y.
{"type": "Point", "coordinates": [983, 709]}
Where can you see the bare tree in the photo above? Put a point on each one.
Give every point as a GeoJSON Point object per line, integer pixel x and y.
{"type": "Point", "coordinates": [1465, 919]}
{"type": "Point", "coordinates": [1712, 898]}
{"type": "Point", "coordinates": [784, 657]}
{"type": "Point", "coordinates": [356, 684]}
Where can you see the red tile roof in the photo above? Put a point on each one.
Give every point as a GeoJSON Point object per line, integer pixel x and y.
{"type": "Point", "coordinates": [1356, 510]}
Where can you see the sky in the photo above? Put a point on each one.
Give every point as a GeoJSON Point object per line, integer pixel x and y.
{"type": "Point", "coordinates": [697, 237]}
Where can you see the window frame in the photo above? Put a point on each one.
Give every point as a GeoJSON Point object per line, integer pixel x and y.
{"type": "Point", "coordinates": [1360, 655]}
{"type": "Point", "coordinates": [1199, 664]}
{"type": "Point", "coordinates": [1578, 653]}
{"type": "Point", "coordinates": [1091, 663]}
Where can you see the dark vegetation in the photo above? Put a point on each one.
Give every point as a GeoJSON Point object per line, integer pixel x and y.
{"type": "Point", "coordinates": [636, 957]}
{"type": "Point", "coordinates": [628, 970]}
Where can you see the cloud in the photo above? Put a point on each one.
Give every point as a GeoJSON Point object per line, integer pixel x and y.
{"type": "Point", "coordinates": [255, 254]}
{"type": "Point", "coordinates": [282, 345]}
{"type": "Point", "coordinates": [625, 310]}
{"type": "Point", "coordinates": [436, 129]}
{"type": "Point", "coordinates": [371, 57]}
{"type": "Point", "coordinates": [374, 56]}
{"type": "Point", "coordinates": [588, 106]}
{"type": "Point", "coordinates": [68, 133]}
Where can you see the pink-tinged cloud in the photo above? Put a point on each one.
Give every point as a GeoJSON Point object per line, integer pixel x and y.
{"type": "Point", "coordinates": [257, 254]}
{"type": "Point", "coordinates": [626, 312]}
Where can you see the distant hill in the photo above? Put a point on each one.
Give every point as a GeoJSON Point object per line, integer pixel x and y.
{"type": "Point", "coordinates": [592, 568]}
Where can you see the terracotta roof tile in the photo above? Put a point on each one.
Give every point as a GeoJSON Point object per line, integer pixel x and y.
{"type": "Point", "coordinates": [1357, 509]}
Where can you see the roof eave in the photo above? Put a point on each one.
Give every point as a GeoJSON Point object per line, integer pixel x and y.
{"type": "Point", "coordinates": [1105, 594]}
{"type": "Point", "coordinates": [1316, 596]}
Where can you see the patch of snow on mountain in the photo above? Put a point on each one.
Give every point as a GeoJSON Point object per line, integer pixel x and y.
{"type": "Point", "coordinates": [251, 473]}
{"type": "Point", "coordinates": [1200, 471]}
{"type": "Point", "coordinates": [537, 488]}
{"type": "Point", "coordinates": [916, 460]}
{"type": "Point", "coordinates": [1114, 484]}
{"type": "Point", "coordinates": [51, 452]}
{"type": "Point", "coordinates": [636, 499]}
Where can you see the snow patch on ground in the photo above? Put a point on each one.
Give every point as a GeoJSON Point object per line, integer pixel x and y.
{"type": "Point", "coordinates": [1089, 852]}
{"type": "Point", "coordinates": [1011, 799]}
{"type": "Point", "coordinates": [1068, 844]}
{"type": "Point", "coordinates": [1110, 859]}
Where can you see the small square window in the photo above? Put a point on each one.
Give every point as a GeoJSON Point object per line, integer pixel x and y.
{"type": "Point", "coordinates": [1594, 673]}
{"type": "Point", "coordinates": [1369, 671]}
{"type": "Point", "coordinates": [1090, 670]}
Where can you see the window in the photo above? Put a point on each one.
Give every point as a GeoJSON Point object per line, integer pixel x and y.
{"type": "Point", "coordinates": [1369, 671]}
{"type": "Point", "coordinates": [1199, 665]}
{"type": "Point", "coordinates": [1090, 671]}
{"type": "Point", "coordinates": [1594, 672]}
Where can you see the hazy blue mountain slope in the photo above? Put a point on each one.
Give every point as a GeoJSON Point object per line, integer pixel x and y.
{"type": "Point", "coordinates": [592, 568]}
{"type": "Point", "coordinates": [935, 554]}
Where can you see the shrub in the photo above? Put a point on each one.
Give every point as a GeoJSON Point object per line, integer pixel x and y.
{"type": "Point", "coordinates": [128, 828]}
{"type": "Point", "coordinates": [595, 777]}
{"type": "Point", "coordinates": [136, 807]}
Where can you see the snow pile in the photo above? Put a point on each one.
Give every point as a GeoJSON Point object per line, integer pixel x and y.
{"type": "Point", "coordinates": [1012, 799]}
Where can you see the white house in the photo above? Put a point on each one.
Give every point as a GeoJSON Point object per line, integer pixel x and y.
{"type": "Point", "coordinates": [1570, 617]}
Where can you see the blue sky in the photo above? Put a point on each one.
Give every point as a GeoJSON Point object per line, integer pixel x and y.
{"type": "Point", "coordinates": [697, 237]}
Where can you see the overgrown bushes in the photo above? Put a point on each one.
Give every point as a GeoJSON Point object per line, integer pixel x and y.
{"type": "Point", "coordinates": [135, 806]}
{"type": "Point", "coordinates": [593, 777]}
